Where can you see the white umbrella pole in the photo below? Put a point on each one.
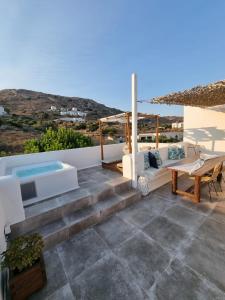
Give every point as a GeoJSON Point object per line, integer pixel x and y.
{"type": "Point", "coordinates": [134, 128]}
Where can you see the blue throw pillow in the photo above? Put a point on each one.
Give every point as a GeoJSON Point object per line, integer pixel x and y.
{"type": "Point", "coordinates": [173, 153]}
{"type": "Point", "coordinates": [158, 158]}
{"type": "Point", "coordinates": [152, 160]}
{"type": "Point", "coordinates": [146, 161]}
{"type": "Point", "coordinates": [181, 153]}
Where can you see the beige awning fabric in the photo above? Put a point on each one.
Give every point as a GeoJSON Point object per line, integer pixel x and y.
{"type": "Point", "coordinates": [122, 118]}
{"type": "Point", "coordinates": [212, 94]}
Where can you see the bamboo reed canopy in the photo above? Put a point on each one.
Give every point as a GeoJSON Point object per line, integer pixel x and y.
{"type": "Point", "coordinates": [212, 94]}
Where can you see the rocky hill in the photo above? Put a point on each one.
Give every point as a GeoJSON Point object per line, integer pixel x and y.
{"type": "Point", "coordinates": [26, 102]}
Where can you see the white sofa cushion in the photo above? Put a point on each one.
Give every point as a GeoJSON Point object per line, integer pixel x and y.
{"type": "Point", "coordinates": [152, 172]}
{"type": "Point", "coordinates": [168, 162]}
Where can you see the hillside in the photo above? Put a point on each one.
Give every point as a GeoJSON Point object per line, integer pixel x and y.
{"type": "Point", "coordinates": [29, 116]}
{"type": "Point", "coordinates": [25, 102]}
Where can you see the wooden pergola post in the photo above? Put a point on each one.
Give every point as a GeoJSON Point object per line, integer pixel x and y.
{"type": "Point", "coordinates": [157, 132]}
{"type": "Point", "coordinates": [125, 131]}
{"type": "Point", "coordinates": [129, 133]}
{"type": "Point", "coordinates": [101, 140]}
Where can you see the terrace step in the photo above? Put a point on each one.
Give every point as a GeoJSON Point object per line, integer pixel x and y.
{"type": "Point", "coordinates": [62, 229]}
{"type": "Point", "coordinates": [59, 217]}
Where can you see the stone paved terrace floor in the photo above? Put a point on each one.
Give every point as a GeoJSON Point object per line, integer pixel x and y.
{"type": "Point", "coordinates": [163, 247]}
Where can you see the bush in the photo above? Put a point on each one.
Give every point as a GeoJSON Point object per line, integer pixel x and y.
{"type": "Point", "coordinates": [80, 126]}
{"type": "Point", "coordinates": [93, 127]}
{"type": "Point", "coordinates": [23, 252]}
{"type": "Point", "coordinates": [60, 139]}
{"type": "Point", "coordinates": [109, 130]}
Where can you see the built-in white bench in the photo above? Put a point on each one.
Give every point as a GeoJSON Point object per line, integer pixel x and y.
{"type": "Point", "coordinates": [156, 177]}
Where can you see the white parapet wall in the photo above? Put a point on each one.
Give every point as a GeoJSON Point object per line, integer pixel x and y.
{"type": "Point", "coordinates": [11, 205]}
{"type": "Point", "coordinates": [81, 158]}
{"type": "Point", "coordinates": [205, 127]}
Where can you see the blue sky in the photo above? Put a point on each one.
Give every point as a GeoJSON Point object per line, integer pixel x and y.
{"type": "Point", "coordinates": [89, 48]}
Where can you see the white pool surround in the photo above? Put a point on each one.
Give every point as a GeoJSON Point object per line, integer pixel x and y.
{"type": "Point", "coordinates": [45, 180]}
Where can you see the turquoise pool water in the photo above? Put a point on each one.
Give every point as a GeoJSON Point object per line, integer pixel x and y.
{"type": "Point", "coordinates": [36, 170]}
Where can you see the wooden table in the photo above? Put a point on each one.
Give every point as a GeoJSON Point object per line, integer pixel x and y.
{"type": "Point", "coordinates": [208, 166]}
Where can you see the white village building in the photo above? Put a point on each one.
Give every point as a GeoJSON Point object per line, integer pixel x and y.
{"type": "Point", "coordinates": [2, 111]}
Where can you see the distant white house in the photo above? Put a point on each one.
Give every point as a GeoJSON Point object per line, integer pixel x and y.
{"type": "Point", "coordinates": [74, 112]}
{"type": "Point", "coordinates": [2, 111]}
{"type": "Point", "coordinates": [169, 134]}
{"type": "Point", "coordinates": [53, 108]}
{"type": "Point", "coordinates": [177, 125]}
{"type": "Point", "coordinates": [75, 120]}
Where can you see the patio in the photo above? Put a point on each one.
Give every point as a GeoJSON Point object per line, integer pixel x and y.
{"type": "Point", "coordinates": [163, 247]}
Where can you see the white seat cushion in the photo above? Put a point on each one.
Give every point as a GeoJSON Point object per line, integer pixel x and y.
{"type": "Point", "coordinates": [152, 172]}
{"type": "Point", "coordinates": [168, 162]}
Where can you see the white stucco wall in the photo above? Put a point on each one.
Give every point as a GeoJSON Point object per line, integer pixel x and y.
{"type": "Point", "coordinates": [80, 158]}
{"type": "Point", "coordinates": [205, 127]}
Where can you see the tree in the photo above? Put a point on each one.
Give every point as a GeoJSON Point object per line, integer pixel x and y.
{"type": "Point", "coordinates": [60, 139]}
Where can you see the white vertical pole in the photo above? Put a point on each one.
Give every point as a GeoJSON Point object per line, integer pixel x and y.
{"type": "Point", "coordinates": [134, 127]}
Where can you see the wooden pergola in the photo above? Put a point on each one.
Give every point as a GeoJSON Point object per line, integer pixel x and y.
{"type": "Point", "coordinates": [125, 119]}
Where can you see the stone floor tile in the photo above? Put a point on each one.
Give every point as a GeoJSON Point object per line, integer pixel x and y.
{"type": "Point", "coordinates": [180, 282]}
{"type": "Point", "coordinates": [166, 233]}
{"type": "Point", "coordinates": [218, 214]}
{"type": "Point", "coordinates": [56, 277]}
{"type": "Point", "coordinates": [145, 258]}
{"type": "Point", "coordinates": [114, 231]}
{"type": "Point", "coordinates": [202, 207]}
{"type": "Point", "coordinates": [185, 217]}
{"type": "Point", "coordinates": [156, 205]}
{"type": "Point", "coordinates": [106, 279]}
{"type": "Point", "coordinates": [213, 230]}
{"type": "Point", "coordinates": [136, 214]}
{"type": "Point", "coordinates": [207, 258]}
{"type": "Point", "coordinates": [80, 252]}
{"type": "Point", "coordinates": [64, 293]}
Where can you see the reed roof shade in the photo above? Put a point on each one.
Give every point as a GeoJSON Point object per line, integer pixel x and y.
{"type": "Point", "coordinates": [122, 118]}
{"type": "Point", "coordinates": [212, 94]}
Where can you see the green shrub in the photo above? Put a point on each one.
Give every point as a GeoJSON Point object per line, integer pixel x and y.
{"type": "Point", "coordinates": [93, 127]}
{"type": "Point", "coordinates": [109, 130]}
{"type": "Point", "coordinates": [23, 252]}
{"type": "Point", "coordinates": [60, 139]}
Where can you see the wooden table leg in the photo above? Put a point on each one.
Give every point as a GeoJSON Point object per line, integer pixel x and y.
{"type": "Point", "coordinates": [197, 188]}
{"type": "Point", "coordinates": [174, 181]}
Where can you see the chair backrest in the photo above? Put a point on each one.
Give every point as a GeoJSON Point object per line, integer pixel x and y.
{"type": "Point", "coordinates": [217, 170]}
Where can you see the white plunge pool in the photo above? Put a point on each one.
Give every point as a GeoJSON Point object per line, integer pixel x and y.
{"type": "Point", "coordinates": [44, 180]}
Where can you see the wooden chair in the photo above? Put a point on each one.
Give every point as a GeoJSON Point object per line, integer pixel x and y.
{"type": "Point", "coordinates": [211, 179]}
{"type": "Point", "coordinates": [222, 173]}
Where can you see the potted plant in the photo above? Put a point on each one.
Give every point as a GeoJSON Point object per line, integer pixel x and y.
{"type": "Point", "coordinates": [25, 262]}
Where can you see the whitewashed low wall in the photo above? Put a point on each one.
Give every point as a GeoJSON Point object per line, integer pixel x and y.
{"type": "Point", "coordinates": [153, 145]}
{"type": "Point", "coordinates": [80, 158]}
{"type": "Point", "coordinates": [11, 205]}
